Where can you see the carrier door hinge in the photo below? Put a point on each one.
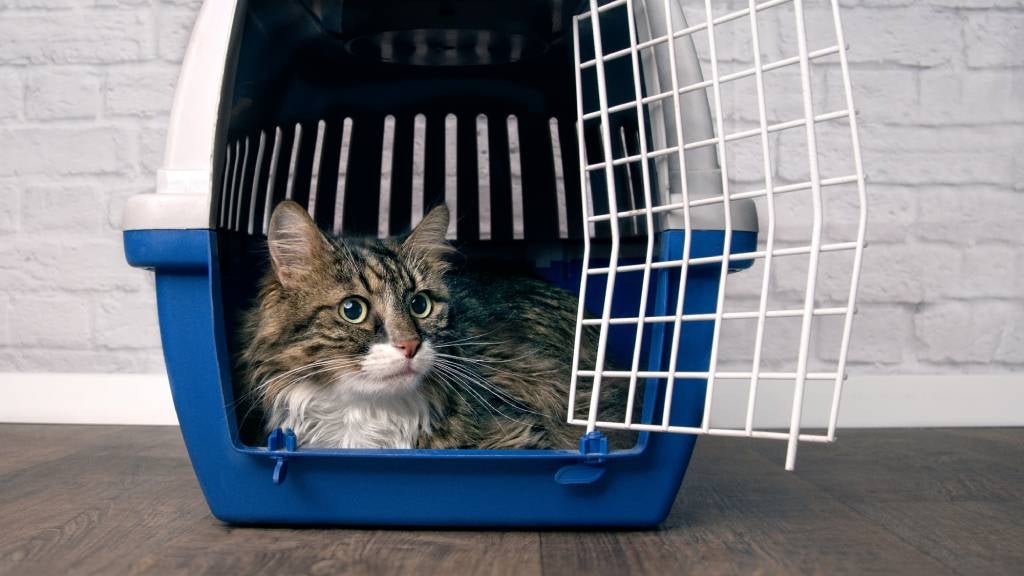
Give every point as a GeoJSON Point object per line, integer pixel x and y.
{"type": "Point", "coordinates": [594, 449]}
{"type": "Point", "coordinates": [279, 444]}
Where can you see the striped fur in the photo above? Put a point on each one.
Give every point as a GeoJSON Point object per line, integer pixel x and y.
{"type": "Point", "coordinates": [492, 370]}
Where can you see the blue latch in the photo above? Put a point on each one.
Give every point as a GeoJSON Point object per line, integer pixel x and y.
{"type": "Point", "coordinates": [278, 441]}
{"type": "Point", "coordinates": [594, 448]}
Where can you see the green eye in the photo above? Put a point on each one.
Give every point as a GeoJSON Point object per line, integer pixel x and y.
{"type": "Point", "coordinates": [420, 305]}
{"type": "Point", "coordinates": [354, 309]}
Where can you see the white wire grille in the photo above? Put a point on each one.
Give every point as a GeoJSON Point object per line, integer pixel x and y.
{"type": "Point", "coordinates": [774, 81]}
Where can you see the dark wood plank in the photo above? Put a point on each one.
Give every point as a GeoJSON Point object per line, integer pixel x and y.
{"type": "Point", "coordinates": [967, 537]}
{"type": "Point", "coordinates": [912, 466]}
{"type": "Point", "coordinates": [22, 446]}
{"type": "Point", "coordinates": [123, 500]}
{"type": "Point", "coordinates": [741, 513]}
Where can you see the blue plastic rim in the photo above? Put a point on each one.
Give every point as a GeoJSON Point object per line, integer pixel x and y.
{"type": "Point", "coordinates": [243, 484]}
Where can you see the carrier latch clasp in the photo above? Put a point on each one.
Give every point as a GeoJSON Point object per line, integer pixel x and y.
{"type": "Point", "coordinates": [594, 449]}
{"type": "Point", "coordinates": [279, 443]}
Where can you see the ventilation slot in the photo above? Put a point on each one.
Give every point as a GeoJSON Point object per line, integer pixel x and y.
{"type": "Point", "coordinates": [501, 180]}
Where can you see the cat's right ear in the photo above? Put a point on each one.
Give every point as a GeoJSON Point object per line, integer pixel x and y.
{"type": "Point", "coordinates": [296, 244]}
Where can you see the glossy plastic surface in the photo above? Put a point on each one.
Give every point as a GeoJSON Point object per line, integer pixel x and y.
{"type": "Point", "coordinates": [415, 487]}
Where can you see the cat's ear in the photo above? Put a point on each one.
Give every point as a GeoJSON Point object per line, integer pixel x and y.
{"type": "Point", "coordinates": [429, 235]}
{"type": "Point", "coordinates": [296, 244]}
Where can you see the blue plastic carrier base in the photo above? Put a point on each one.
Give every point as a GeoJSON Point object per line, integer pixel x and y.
{"type": "Point", "coordinates": [280, 485]}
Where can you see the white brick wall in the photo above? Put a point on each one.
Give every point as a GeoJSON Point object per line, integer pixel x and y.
{"type": "Point", "coordinates": [85, 88]}
{"type": "Point", "coordinates": [86, 85]}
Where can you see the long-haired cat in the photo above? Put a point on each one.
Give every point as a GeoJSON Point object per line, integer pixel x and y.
{"type": "Point", "coordinates": [380, 344]}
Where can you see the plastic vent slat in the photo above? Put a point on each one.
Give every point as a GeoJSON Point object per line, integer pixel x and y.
{"type": "Point", "coordinates": [272, 165]}
{"type": "Point", "coordinates": [419, 159]}
{"type": "Point", "coordinates": [257, 194]}
{"type": "Point", "coordinates": [236, 165]}
{"type": "Point", "coordinates": [338, 220]}
{"type": "Point", "coordinates": [304, 165]}
{"type": "Point", "coordinates": [225, 181]}
{"type": "Point", "coordinates": [483, 177]}
{"type": "Point", "coordinates": [451, 167]}
{"type": "Point", "coordinates": [243, 187]}
{"type": "Point", "coordinates": [515, 168]}
{"type": "Point", "coordinates": [475, 164]}
{"type": "Point", "coordinates": [387, 170]}
{"type": "Point", "coordinates": [315, 168]}
{"type": "Point", "coordinates": [322, 200]}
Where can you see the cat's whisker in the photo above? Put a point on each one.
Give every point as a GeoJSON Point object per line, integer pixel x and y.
{"type": "Point", "coordinates": [464, 344]}
{"type": "Point", "coordinates": [482, 363]}
{"type": "Point", "coordinates": [443, 378]}
{"type": "Point", "coordinates": [451, 379]}
{"type": "Point", "coordinates": [497, 392]}
{"type": "Point", "coordinates": [305, 367]}
{"type": "Point", "coordinates": [291, 377]}
{"type": "Point", "coordinates": [470, 338]}
{"type": "Point", "coordinates": [482, 360]}
{"type": "Point", "coordinates": [295, 378]}
{"type": "Point", "coordinates": [467, 385]}
{"type": "Point", "coordinates": [456, 391]}
{"type": "Point", "coordinates": [474, 376]}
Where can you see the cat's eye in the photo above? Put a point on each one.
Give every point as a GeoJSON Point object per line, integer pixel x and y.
{"type": "Point", "coordinates": [354, 309]}
{"type": "Point", "coordinates": [421, 305]}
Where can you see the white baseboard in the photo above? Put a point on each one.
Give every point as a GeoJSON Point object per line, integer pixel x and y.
{"type": "Point", "coordinates": [60, 398]}
{"type": "Point", "coordinates": [868, 401]}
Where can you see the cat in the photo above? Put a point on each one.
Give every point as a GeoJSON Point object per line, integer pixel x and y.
{"type": "Point", "coordinates": [368, 343]}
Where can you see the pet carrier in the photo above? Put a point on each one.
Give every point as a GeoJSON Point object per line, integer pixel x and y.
{"type": "Point", "coordinates": [620, 148]}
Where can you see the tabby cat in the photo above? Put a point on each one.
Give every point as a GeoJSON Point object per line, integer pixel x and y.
{"type": "Point", "coordinates": [367, 343]}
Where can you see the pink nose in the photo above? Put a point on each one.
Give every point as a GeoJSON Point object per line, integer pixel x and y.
{"type": "Point", "coordinates": [407, 347]}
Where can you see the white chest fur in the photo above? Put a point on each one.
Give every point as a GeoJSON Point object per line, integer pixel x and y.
{"type": "Point", "coordinates": [328, 417]}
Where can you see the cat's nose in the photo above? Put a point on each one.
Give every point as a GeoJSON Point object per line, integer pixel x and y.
{"type": "Point", "coordinates": [407, 347]}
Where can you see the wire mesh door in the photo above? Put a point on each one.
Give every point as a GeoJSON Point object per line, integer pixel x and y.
{"type": "Point", "coordinates": [728, 105]}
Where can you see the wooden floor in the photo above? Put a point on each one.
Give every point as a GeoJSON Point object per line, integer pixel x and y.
{"type": "Point", "coordinates": [123, 500]}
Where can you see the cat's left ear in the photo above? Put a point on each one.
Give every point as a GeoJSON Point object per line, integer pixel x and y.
{"type": "Point", "coordinates": [428, 237]}
{"type": "Point", "coordinates": [296, 244]}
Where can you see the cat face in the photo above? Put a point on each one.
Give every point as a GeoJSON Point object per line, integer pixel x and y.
{"type": "Point", "coordinates": [359, 317]}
